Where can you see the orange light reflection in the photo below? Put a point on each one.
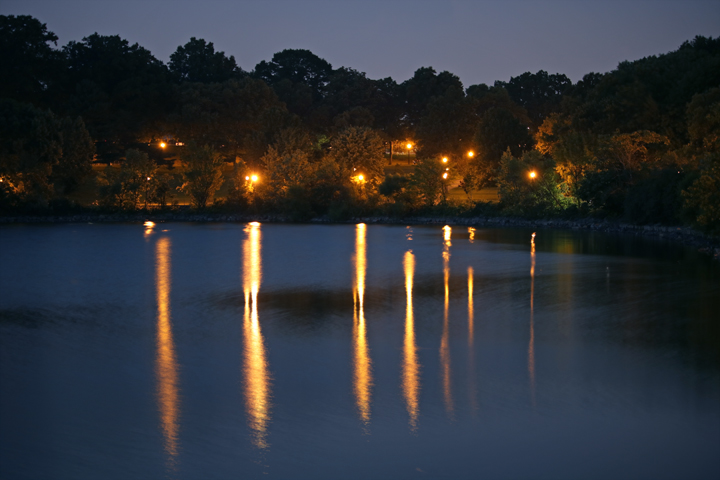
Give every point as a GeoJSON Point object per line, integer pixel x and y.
{"type": "Point", "coordinates": [531, 345]}
{"type": "Point", "coordinates": [166, 365]}
{"type": "Point", "coordinates": [445, 340]}
{"type": "Point", "coordinates": [471, 341]}
{"type": "Point", "coordinates": [256, 370]}
{"type": "Point", "coordinates": [411, 366]}
{"type": "Point", "coordinates": [363, 378]}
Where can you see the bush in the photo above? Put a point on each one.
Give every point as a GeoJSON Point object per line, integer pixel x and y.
{"type": "Point", "coordinates": [658, 197]}
{"type": "Point", "coordinates": [603, 191]}
{"type": "Point", "coordinates": [703, 196]}
{"type": "Point", "coordinates": [203, 174]}
{"type": "Point", "coordinates": [521, 193]}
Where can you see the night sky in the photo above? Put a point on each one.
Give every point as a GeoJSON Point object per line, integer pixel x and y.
{"type": "Point", "coordinates": [480, 41]}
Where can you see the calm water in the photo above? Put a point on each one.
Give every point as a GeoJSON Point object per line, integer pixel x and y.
{"type": "Point", "coordinates": [297, 351]}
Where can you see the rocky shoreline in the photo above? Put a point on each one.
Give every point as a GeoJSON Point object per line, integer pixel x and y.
{"type": "Point", "coordinates": [683, 235]}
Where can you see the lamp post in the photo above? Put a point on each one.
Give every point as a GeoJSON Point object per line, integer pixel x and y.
{"type": "Point", "coordinates": [408, 146]}
{"type": "Point", "coordinates": [147, 184]}
{"type": "Point", "coordinates": [251, 180]}
{"type": "Point", "coordinates": [444, 186]}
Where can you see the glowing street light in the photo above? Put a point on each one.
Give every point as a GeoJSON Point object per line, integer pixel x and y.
{"type": "Point", "coordinates": [254, 178]}
{"type": "Point", "coordinates": [361, 177]}
{"type": "Point", "coordinates": [444, 159]}
{"type": "Point", "coordinates": [163, 144]}
{"type": "Point", "coordinates": [445, 175]}
{"type": "Point", "coordinates": [533, 174]}
{"type": "Point", "coordinates": [471, 154]}
{"type": "Point", "coordinates": [408, 146]}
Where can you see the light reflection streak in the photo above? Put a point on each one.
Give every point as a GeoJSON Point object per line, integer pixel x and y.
{"type": "Point", "coordinates": [166, 365]}
{"type": "Point", "coordinates": [411, 366]}
{"type": "Point", "coordinates": [256, 370]}
{"type": "Point", "coordinates": [445, 340]}
{"type": "Point", "coordinates": [471, 341]}
{"type": "Point", "coordinates": [363, 379]}
{"type": "Point", "coordinates": [471, 231]}
{"type": "Point", "coordinates": [531, 345]}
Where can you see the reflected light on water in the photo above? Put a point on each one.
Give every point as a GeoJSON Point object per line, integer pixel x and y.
{"type": "Point", "coordinates": [257, 375]}
{"type": "Point", "coordinates": [166, 366]}
{"type": "Point", "coordinates": [471, 232]}
{"type": "Point", "coordinates": [445, 340]}
{"type": "Point", "coordinates": [471, 340]}
{"type": "Point", "coordinates": [531, 345]}
{"type": "Point", "coordinates": [411, 366]}
{"type": "Point", "coordinates": [363, 365]}
{"type": "Point", "coordinates": [148, 227]}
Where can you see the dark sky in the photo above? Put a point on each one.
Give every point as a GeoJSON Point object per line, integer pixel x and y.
{"type": "Point", "coordinates": [479, 40]}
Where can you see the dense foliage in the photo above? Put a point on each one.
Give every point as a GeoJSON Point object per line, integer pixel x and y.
{"type": "Point", "coordinates": [295, 135]}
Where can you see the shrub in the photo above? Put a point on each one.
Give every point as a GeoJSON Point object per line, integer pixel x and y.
{"type": "Point", "coordinates": [529, 185]}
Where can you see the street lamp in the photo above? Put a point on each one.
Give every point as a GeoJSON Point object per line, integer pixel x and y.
{"type": "Point", "coordinates": [532, 174]}
{"type": "Point", "coordinates": [471, 154]}
{"type": "Point", "coordinates": [444, 159]}
{"type": "Point", "coordinates": [251, 180]}
{"type": "Point", "coordinates": [163, 144]}
{"type": "Point", "coordinates": [408, 146]}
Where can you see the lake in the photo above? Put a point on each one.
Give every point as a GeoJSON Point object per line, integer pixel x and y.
{"type": "Point", "coordinates": [355, 351]}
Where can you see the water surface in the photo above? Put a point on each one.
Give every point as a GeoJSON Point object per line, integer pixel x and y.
{"type": "Point", "coordinates": [354, 351]}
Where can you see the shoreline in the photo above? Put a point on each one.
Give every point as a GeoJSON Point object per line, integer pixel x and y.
{"type": "Point", "coordinates": [683, 235]}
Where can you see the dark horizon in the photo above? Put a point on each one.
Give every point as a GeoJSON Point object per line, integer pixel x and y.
{"type": "Point", "coordinates": [480, 42]}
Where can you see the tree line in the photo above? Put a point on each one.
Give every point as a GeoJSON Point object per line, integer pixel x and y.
{"type": "Point", "coordinates": [638, 143]}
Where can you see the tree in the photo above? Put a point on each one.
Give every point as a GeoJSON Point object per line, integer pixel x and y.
{"type": "Point", "coordinates": [287, 164]}
{"type": "Point", "coordinates": [426, 181]}
{"type": "Point", "coordinates": [123, 187]}
{"type": "Point", "coordinates": [120, 90]}
{"type": "Point", "coordinates": [298, 77]}
{"type": "Point", "coordinates": [529, 185]}
{"type": "Point", "coordinates": [30, 64]}
{"type": "Point", "coordinates": [197, 61]}
{"type": "Point", "coordinates": [631, 151]}
{"type": "Point", "coordinates": [539, 93]}
{"type": "Point", "coordinates": [498, 131]}
{"type": "Point", "coordinates": [484, 98]}
{"type": "Point", "coordinates": [703, 114]}
{"type": "Point", "coordinates": [574, 151]}
{"type": "Point", "coordinates": [230, 117]}
{"type": "Point", "coordinates": [30, 146]}
{"type": "Point", "coordinates": [448, 126]}
{"type": "Point", "coordinates": [202, 176]}
{"type": "Point", "coordinates": [422, 87]}
{"type": "Point", "coordinates": [619, 162]}
{"type": "Point", "coordinates": [648, 94]}
{"type": "Point", "coordinates": [703, 196]}
{"type": "Point", "coordinates": [352, 99]}
{"type": "Point", "coordinates": [359, 150]}
{"type": "Point", "coordinates": [78, 151]}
